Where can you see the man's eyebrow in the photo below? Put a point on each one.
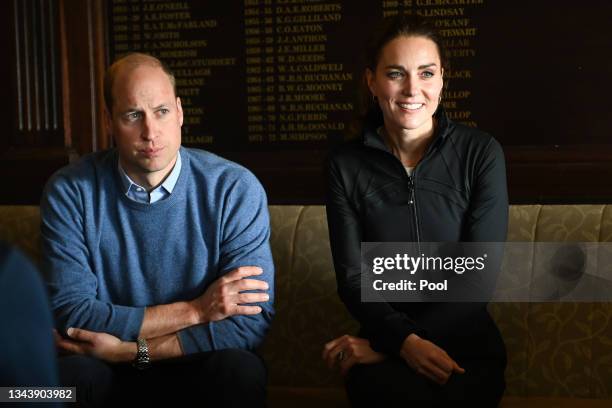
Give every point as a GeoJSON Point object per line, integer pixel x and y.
{"type": "Point", "coordinates": [131, 109]}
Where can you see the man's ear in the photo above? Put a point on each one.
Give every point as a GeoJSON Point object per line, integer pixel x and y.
{"type": "Point", "coordinates": [179, 109]}
{"type": "Point", "coordinates": [108, 122]}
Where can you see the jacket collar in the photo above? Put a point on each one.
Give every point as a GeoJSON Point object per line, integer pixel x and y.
{"type": "Point", "coordinates": [371, 138]}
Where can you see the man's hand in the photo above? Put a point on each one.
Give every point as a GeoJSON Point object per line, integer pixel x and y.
{"type": "Point", "coordinates": [226, 297]}
{"type": "Point", "coordinates": [100, 345]}
{"type": "Point", "coordinates": [346, 351]}
{"type": "Point", "coordinates": [428, 359]}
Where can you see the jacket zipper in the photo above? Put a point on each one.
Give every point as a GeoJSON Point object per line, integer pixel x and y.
{"type": "Point", "coordinates": [412, 202]}
{"type": "Point", "coordinates": [412, 185]}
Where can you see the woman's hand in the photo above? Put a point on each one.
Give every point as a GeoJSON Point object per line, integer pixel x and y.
{"type": "Point", "coordinates": [428, 359]}
{"type": "Point", "coordinates": [346, 351]}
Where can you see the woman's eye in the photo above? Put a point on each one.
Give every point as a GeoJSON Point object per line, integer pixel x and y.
{"type": "Point", "coordinates": [427, 74]}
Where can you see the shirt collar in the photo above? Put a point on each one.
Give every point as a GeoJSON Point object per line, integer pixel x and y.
{"type": "Point", "coordinates": [168, 184]}
{"type": "Point", "coordinates": [172, 178]}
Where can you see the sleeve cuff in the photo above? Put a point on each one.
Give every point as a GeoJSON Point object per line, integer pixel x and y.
{"type": "Point", "coordinates": [196, 339]}
{"type": "Point", "coordinates": [129, 321]}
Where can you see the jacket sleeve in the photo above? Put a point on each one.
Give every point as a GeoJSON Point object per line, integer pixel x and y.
{"type": "Point", "coordinates": [70, 280]}
{"type": "Point", "coordinates": [487, 217]}
{"type": "Point", "coordinates": [486, 221]}
{"type": "Point", "coordinates": [387, 327]}
{"type": "Point", "coordinates": [245, 228]}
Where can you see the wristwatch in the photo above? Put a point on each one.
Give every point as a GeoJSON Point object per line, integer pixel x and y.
{"type": "Point", "coordinates": [142, 360]}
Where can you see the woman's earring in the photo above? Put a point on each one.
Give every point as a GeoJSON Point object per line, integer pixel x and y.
{"type": "Point", "coordinates": [374, 99]}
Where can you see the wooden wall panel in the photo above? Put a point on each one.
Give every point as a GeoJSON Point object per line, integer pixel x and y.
{"type": "Point", "coordinates": [35, 146]}
{"type": "Point", "coordinates": [56, 59]}
{"type": "Point", "coordinates": [83, 66]}
{"type": "Point", "coordinates": [55, 53]}
{"type": "Point", "coordinates": [36, 70]}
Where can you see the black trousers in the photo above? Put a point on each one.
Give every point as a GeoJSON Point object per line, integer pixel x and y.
{"type": "Point", "coordinates": [228, 378]}
{"type": "Point", "coordinates": [474, 342]}
{"type": "Point", "coordinates": [393, 383]}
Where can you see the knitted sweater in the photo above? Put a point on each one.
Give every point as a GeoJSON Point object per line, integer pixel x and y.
{"type": "Point", "coordinates": [107, 257]}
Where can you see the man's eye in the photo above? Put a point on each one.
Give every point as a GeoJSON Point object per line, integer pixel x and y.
{"type": "Point", "coordinates": [132, 116]}
{"type": "Point", "coordinates": [394, 74]}
{"type": "Point", "coordinates": [164, 111]}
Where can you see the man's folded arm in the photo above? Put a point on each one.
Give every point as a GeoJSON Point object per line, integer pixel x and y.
{"type": "Point", "coordinates": [71, 283]}
{"type": "Point", "coordinates": [245, 242]}
{"type": "Point", "coordinates": [243, 332]}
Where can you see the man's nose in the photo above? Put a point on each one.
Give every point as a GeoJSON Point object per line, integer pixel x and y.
{"type": "Point", "coordinates": [149, 128]}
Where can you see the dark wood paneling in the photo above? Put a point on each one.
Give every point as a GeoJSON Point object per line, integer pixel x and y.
{"type": "Point", "coordinates": [83, 66]}
{"type": "Point", "coordinates": [56, 55]}
{"type": "Point", "coordinates": [36, 72]}
{"type": "Point", "coordinates": [552, 175]}
{"type": "Point", "coordinates": [7, 70]}
{"type": "Point", "coordinates": [34, 147]}
{"type": "Point", "coordinates": [537, 173]}
{"type": "Point", "coordinates": [289, 177]}
{"type": "Point", "coordinates": [25, 172]}
{"type": "Point", "coordinates": [560, 174]}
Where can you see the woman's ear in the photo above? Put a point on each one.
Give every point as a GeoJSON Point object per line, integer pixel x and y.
{"type": "Point", "coordinates": [370, 81]}
{"type": "Point", "coordinates": [443, 81]}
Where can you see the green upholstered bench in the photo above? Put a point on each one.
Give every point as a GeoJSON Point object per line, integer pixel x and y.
{"type": "Point", "coordinates": [559, 354]}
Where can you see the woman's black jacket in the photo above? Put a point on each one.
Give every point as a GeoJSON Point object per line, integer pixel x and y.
{"type": "Point", "coordinates": [457, 192]}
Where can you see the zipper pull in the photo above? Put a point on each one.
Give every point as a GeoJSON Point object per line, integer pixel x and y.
{"type": "Point", "coordinates": [411, 188]}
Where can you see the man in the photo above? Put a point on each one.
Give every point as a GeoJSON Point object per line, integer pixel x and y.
{"type": "Point", "coordinates": [157, 255]}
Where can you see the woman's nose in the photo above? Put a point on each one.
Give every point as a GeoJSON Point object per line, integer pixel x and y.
{"type": "Point", "coordinates": [409, 86]}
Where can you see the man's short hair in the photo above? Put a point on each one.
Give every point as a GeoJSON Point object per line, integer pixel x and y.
{"type": "Point", "coordinates": [133, 60]}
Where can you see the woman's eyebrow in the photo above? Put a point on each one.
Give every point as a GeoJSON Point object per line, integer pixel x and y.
{"type": "Point", "coordinates": [424, 66]}
{"type": "Point", "coordinates": [431, 64]}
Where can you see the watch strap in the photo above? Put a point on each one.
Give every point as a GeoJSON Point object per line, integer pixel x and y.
{"type": "Point", "coordinates": [142, 360]}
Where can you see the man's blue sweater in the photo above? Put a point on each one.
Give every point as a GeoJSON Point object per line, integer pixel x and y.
{"type": "Point", "coordinates": [107, 257]}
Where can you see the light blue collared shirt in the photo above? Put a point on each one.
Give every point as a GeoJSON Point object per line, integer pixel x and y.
{"type": "Point", "coordinates": [140, 194]}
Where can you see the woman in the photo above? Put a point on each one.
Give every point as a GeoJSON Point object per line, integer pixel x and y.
{"type": "Point", "coordinates": [414, 176]}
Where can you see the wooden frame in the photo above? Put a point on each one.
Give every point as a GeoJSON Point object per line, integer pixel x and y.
{"type": "Point", "coordinates": [29, 154]}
